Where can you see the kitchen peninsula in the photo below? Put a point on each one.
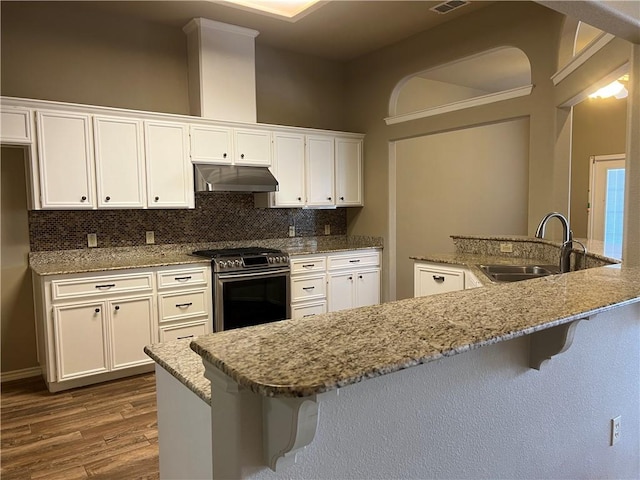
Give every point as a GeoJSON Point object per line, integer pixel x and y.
{"type": "Point", "coordinates": [279, 388]}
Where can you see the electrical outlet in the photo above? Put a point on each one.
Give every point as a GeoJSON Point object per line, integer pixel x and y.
{"type": "Point", "coordinates": [150, 237]}
{"type": "Point", "coordinates": [92, 240]}
{"type": "Point", "coordinates": [615, 430]}
{"type": "Point", "coordinates": [292, 230]}
{"type": "Point", "coordinates": [506, 247]}
{"type": "Point", "coordinates": [327, 229]}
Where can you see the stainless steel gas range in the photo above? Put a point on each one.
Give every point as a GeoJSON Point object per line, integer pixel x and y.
{"type": "Point", "coordinates": [250, 286]}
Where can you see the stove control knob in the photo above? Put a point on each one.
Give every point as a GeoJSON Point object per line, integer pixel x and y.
{"type": "Point", "coordinates": [237, 263]}
{"type": "Point", "coordinates": [270, 259]}
{"type": "Point", "coordinates": [223, 264]}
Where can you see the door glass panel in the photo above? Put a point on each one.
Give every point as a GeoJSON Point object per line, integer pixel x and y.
{"type": "Point", "coordinates": [614, 212]}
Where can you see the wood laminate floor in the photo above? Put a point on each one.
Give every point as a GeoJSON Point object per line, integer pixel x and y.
{"type": "Point", "coordinates": [105, 431]}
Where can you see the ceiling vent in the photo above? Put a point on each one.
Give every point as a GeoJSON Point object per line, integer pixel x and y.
{"type": "Point", "coordinates": [447, 7]}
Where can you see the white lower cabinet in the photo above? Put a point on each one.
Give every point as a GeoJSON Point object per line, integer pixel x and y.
{"type": "Point", "coordinates": [328, 283]}
{"type": "Point", "coordinates": [93, 327]}
{"type": "Point", "coordinates": [434, 278]}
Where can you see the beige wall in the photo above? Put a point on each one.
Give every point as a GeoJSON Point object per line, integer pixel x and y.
{"type": "Point", "coordinates": [16, 308]}
{"type": "Point", "coordinates": [599, 128]}
{"type": "Point", "coordinates": [471, 181]}
{"type": "Point", "coordinates": [372, 78]}
{"type": "Point", "coordinates": [421, 93]}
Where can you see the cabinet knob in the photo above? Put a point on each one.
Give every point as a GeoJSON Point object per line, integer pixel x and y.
{"type": "Point", "coordinates": [224, 155]}
{"type": "Point", "coordinates": [328, 198]}
{"type": "Point", "coordinates": [157, 198]}
{"type": "Point", "coordinates": [97, 310]}
{"type": "Point", "coordinates": [117, 307]}
{"type": "Point", "coordinates": [342, 198]}
{"type": "Point", "coordinates": [350, 278]}
{"type": "Point", "coordinates": [299, 199]}
{"type": "Point", "coordinates": [242, 155]}
{"type": "Point", "coordinates": [360, 277]}
{"type": "Point", "coordinates": [83, 198]}
{"type": "Point", "coordinates": [107, 198]}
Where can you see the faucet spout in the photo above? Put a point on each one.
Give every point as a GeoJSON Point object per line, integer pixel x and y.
{"type": "Point", "coordinates": [567, 238]}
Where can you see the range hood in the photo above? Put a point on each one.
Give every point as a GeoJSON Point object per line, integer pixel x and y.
{"type": "Point", "coordinates": [227, 178]}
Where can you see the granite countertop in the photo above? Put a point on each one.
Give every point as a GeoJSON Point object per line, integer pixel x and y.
{"type": "Point", "coordinates": [296, 358]}
{"type": "Point", "coordinates": [118, 258]}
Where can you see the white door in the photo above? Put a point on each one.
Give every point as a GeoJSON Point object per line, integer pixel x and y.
{"type": "Point", "coordinates": [80, 338]}
{"type": "Point", "coordinates": [252, 147]}
{"type": "Point", "coordinates": [131, 327]}
{"type": "Point", "coordinates": [320, 171]}
{"type": "Point", "coordinates": [169, 170]}
{"type": "Point", "coordinates": [341, 291]}
{"type": "Point", "coordinates": [120, 171]}
{"type": "Point", "coordinates": [65, 160]}
{"type": "Point", "coordinates": [288, 168]}
{"type": "Point", "coordinates": [211, 145]}
{"type": "Point", "coordinates": [606, 201]}
{"type": "Point", "coordinates": [348, 172]}
{"type": "Point", "coordinates": [367, 287]}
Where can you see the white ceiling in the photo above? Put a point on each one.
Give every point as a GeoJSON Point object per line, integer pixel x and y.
{"type": "Point", "coordinates": [339, 30]}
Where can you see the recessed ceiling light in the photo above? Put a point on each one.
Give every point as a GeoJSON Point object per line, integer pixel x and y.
{"type": "Point", "coordinates": [291, 10]}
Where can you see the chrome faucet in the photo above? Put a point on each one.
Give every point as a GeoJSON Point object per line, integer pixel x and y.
{"type": "Point", "coordinates": [567, 238]}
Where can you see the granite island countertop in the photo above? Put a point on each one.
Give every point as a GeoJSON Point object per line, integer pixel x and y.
{"type": "Point", "coordinates": [117, 258]}
{"type": "Point", "coordinates": [296, 358]}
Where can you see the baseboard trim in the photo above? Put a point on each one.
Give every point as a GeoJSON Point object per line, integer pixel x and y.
{"type": "Point", "coordinates": [20, 374]}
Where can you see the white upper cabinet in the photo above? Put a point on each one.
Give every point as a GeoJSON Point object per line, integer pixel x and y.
{"type": "Point", "coordinates": [15, 126]}
{"type": "Point", "coordinates": [120, 171]}
{"type": "Point", "coordinates": [320, 171]}
{"type": "Point", "coordinates": [252, 147]}
{"type": "Point", "coordinates": [211, 144]}
{"type": "Point", "coordinates": [348, 172]}
{"type": "Point", "coordinates": [169, 171]}
{"type": "Point", "coordinates": [288, 168]}
{"type": "Point", "coordinates": [65, 160]}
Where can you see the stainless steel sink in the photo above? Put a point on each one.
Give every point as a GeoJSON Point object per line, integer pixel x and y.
{"type": "Point", "coordinates": [517, 273]}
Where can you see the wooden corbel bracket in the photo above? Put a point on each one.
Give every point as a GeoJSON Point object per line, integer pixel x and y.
{"type": "Point", "coordinates": [550, 342]}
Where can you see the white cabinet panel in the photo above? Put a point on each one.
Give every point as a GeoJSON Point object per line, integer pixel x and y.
{"type": "Point", "coordinates": [348, 172]}
{"type": "Point", "coordinates": [308, 309]}
{"type": "Point", "coordinates": [131, 327]}
{"type": "Point", "coordinates": [431, 279]}
{"type": "Point", "coordinates": [320, 171]}
{"type": "Point", "coordinates": [181, 305]}
{"type": "Point", "coordinates": [308, 287]}
{"type": "Point", "coordinates": [252, 147]}
{"type": "Point", "coordinates": [288, 168]}
{"type": "Point", "coordinates": [65, 160]}
{"type": "Point", "coordinates": [211, 144]}
{"type": "Point", "coordinates": [341, 291]}
{"type": "Point", "coordinates": [80, 340]}
{"type": "Point", "coordinates": [119, 154]}
{"type": "Point", "coordinates": [367, 284]}
{"type": "Point", "coordinates": [15, 126]}
{"type": "Point", "coordinates": [169, 170]}
{"type": "Point", "coordinates": [182, 331]}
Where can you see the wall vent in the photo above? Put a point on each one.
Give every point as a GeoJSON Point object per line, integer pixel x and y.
{"type": "Point", "coordinates": [447, 7]}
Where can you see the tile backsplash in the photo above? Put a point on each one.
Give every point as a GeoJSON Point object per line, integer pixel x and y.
{"type": "Point", "coordinates": [217, 217]}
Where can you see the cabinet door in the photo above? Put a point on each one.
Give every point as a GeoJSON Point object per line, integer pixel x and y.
{"type": "Point", "coordinates": [320, 171]}
{"type": "Point", "coordinates": [367, 287]}
{"type": "Point", "coordinates": [211, 145]}
{"type": "Point", "coordinates": [169, 170]}
{"type": "Point", "coordinates": [80, 340]}
{"type": "Point", "coordinates": [348, 172]}
{"type": "Point", "coordinates": [252, 147]}
{"type": "Point", "coordinates": [288, 167]}
{"type": "Point", "coordinates": [120, 172]}
{"type": "Point", "coordinates": [65, 160]}
{"type": "Point", "coordinates": [341, 291]}
{"type": "Point", "coordinates": [15, 126]}
{"type": "Point", "coordinates": [131, 327]}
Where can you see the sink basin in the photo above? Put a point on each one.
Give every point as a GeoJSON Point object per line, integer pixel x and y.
{"type": "Point", "coordinates": [517, 273]}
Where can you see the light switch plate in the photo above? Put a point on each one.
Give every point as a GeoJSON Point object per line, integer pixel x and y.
{"type": "Point", "coordinates": [92, 240]}
{"type": "Point", "coordinates": [150, 238]}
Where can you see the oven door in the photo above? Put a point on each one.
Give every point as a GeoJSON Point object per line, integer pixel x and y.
{"type": "Point", "coordinates": [250, 298]}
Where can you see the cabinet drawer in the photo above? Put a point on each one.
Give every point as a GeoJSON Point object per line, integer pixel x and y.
{"type": "Point", "coordinates": [356, 260]}
{"type": "Point", "coordinates": [184, 330]}
{"type": "Point", "coordinates": [430, 281]}
{"type": "Point", "coordinates": [308, 309]}
{"type": "Point", "coordinates": [174, 306]}
{"type": "Point", "coordinates": [308, 287]}
{"type": "Point", "coordinates": [183, 278]}
{"type": "Point", "coordinates": [84, 287]}
{"type": "Point", "coordinates": [308, 265]}
{"type": "Point", "coordinates": [16, 126]}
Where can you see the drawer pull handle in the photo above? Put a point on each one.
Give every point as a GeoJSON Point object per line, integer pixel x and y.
{"type": "Point", "coordinates": [184, 305]}
{"type": "Point", "coordinates": [186, 336]}
{"type": "Point", "coordinates": [309, 265]}
{"type": "Point", "coordinates": [438, 278]}
{"type": "Point", "coordinates": [309, 315]}
{"type": "Point", "coordinates": [308, 288]}
{"type": "Point", "coordinates": [354, 261]}
{"type": "Point", "coordinates": [106, 285]}
{"type": "Point", "coordinates": [182, 279]}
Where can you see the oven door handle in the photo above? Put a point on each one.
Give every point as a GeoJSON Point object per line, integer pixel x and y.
{"type": "Point", "coordinates": [248, 275]}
